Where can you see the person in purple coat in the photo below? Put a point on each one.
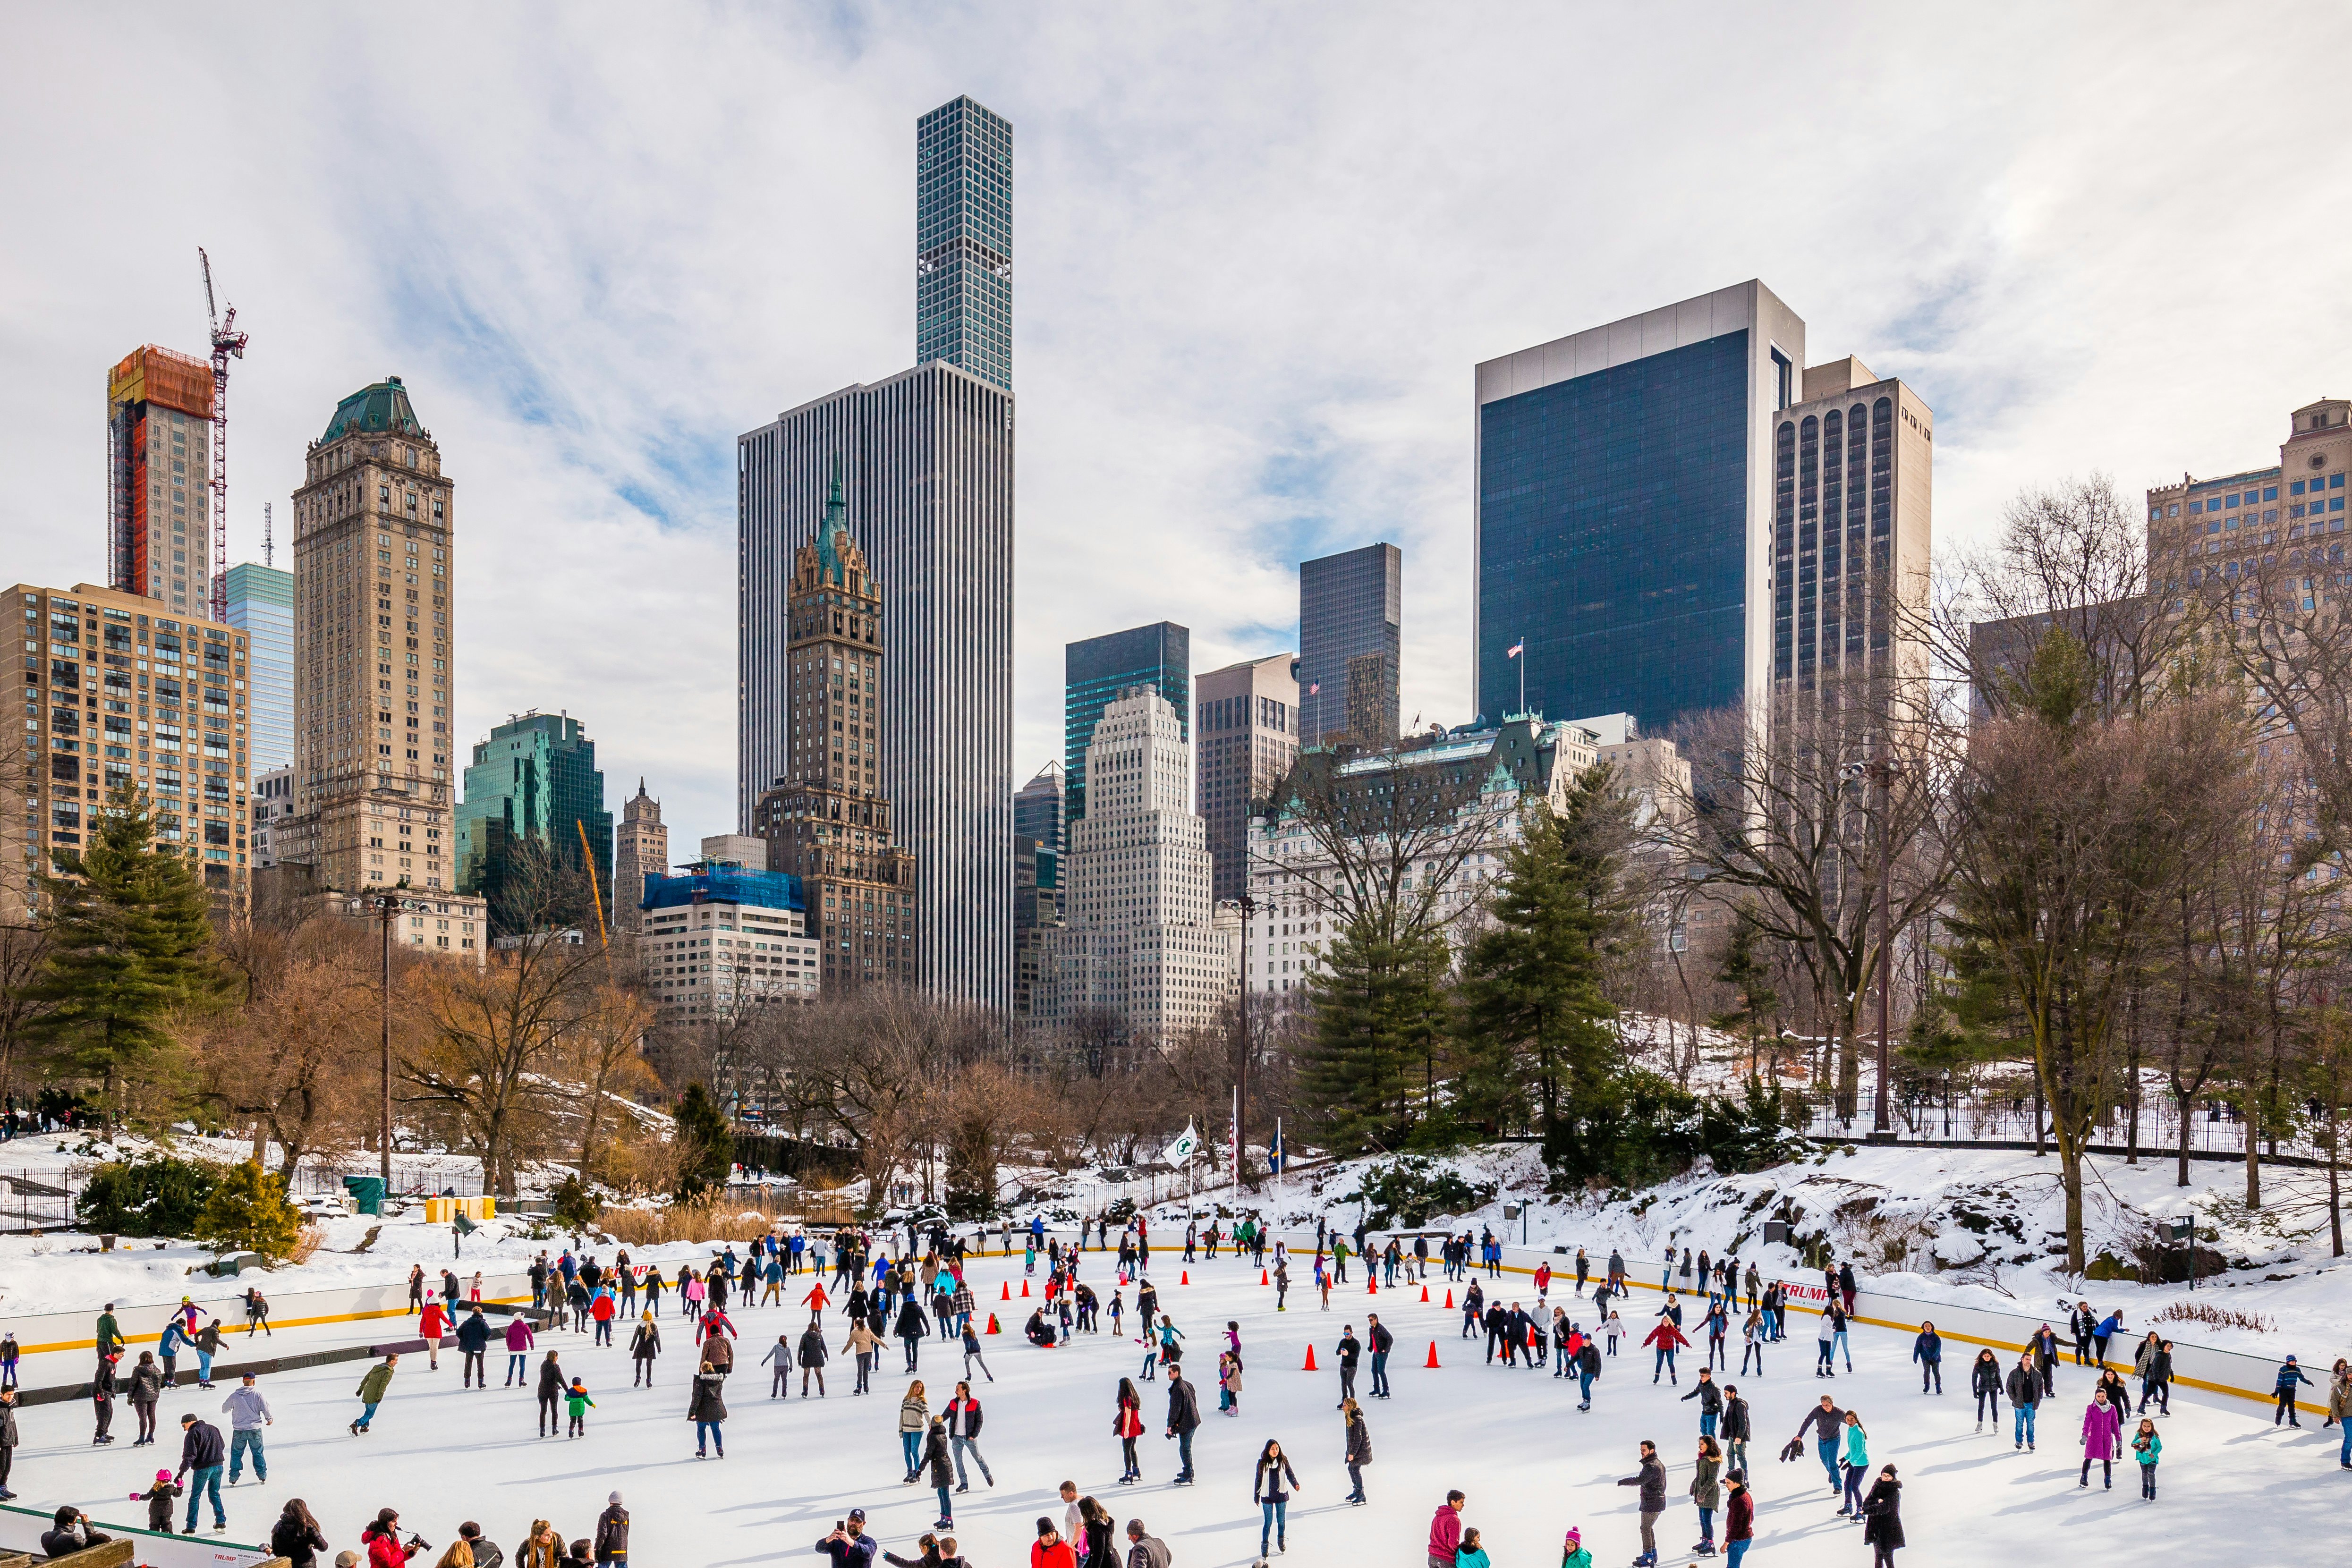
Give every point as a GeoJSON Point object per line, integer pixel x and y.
{"type": "Point", "coordinates": [2103, 1426]}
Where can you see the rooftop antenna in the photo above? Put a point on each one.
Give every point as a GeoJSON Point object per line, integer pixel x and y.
{"type": "Point", "coordinates": [268, 554]}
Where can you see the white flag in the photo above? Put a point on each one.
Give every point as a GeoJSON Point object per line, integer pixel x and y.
{"type": "Point", "coordinates": [1181, 1149]}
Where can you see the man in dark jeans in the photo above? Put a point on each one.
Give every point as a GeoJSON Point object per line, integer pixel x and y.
{"type": "Point", "coordinates": [1184, 1420]}
{"type": "Point", "coordinates": [201, 1455]}
{"type": "Point", "coordinates": [1652, 1478]}
{"type": "Point", "coordinates": [1382, 1343]}
{"type": "Point", "coordinates": [1827, 1424]}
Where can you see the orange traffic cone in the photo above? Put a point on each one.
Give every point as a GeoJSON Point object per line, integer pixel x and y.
{"type": "Point", "coordinates": [1433, 1355]}
{"type": "Point", "coordinates": [991, 1324]}
{"type": "Point", "coordinates": [1371, 1287]}
{"type": "Point", "coordinates": [1185, 1278]}
{"type": "Point", "coordinates": [1008, 1291]}
{"type": "Point", "coordinates": [1449, 1298]}
{"type": "Point", "coordinates": [1424, 1295]}
{"type": "Point", "coordinates": [1262, 1278]}
{"type": "Point", "coordinates": [1310, 1358]}
{"type": "Point", "coordinates": [1025, 1290]}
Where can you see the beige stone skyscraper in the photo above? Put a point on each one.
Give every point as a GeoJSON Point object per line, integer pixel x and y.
{"type": "Point", "coordinates": [640, 849]}
{"type": "Point", "coordinates": [375, 610]}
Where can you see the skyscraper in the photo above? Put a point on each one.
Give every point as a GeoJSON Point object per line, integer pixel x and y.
{"type": "Point", "coordinates": [1140, 941]}
{"type": "Point", "coordinates": [375, 660]}
{"type": "Point", "coordinates": [963, 240]}
{"type": "Point", "coordinates": [159, 433]}
{"type": "Point", "coordinates": [640, 849]}
{"type": "Point", "coordinates": [1624, 511]}
{"type": "Point", "coordinates": [534, 779]}
{"type": "Point", "coordinates": [1851, 468]}
{"type": "Point", "coordinates": [1351, 611]}
{"type": "Point", "coordinates": [827, 821]}
{"type": "Point", "coordinates": [1093, 672]}
{"type": "Point", "coordinates": [925, 459]}
{"type": "Point", "coordinates": [261, 605]}
{"type": "Point", "coordinates": [1038, 808]}
{"type": "Point", "coordinates": [1248, 732]}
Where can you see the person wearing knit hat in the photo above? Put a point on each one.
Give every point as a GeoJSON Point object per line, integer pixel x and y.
{"type": "Point", "coordinates": [1572, 1553]}
{"type": "Point", "coordinates": [158, 1499]}
{"type": "Point", "coordinates": [613, 1532]}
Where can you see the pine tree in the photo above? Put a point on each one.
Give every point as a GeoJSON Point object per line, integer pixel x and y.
{"type": "Point", "coordinates": [1367, 1074]}
{"type": "Point", "coordinates": [1535, 1035]}
{"type": "Point", "coordinates": [707, 1150]}
{"type": "Point", "coordinates": [248, 1212]}
{"type": "Point", "coordinates": [1751, 988]}
{"type": "Point", "coordinates": [129, 943]}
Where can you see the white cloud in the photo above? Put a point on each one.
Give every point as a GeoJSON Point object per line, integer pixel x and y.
{"type": "Point", "coordinates": [1259, 252]}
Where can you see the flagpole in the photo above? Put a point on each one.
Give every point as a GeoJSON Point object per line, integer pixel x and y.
{"type": "Point", "coordinates": [1523, 672]}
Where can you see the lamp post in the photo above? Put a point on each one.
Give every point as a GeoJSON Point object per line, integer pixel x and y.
{"type": "Point", "coordinates": [387, 905]}
{"type": "Point", "coordinates": [1881, 771]}
{"type": "Point", "coordinates": [1249, 907]}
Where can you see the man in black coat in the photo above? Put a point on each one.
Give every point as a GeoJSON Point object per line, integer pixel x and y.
{"type": "Point", "coordinates": [613, 1532]}
{"type": "Point", "coordinates": [1350, 1350]}
{"type": "Point", "coordinates": [1184, 1420]}
{"type": "Point", "coordinates": [473, 1343]}
{"type": "Point", "coordinates": [1735, 1430]}
{"type": "Point", "coordinates": [1652, 1478]}
{"type": "Point", "coordinates": [2025, 1394]}
{"type": "Point", "coordinates": [203, 1451]}
{"type": "Point", "coordinates": [1382, 1343]}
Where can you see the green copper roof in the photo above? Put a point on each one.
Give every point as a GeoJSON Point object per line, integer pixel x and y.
{"type": "Point", "coordinates": [834, 532]}
{"type": "Point", "coordinates": [383, 406]}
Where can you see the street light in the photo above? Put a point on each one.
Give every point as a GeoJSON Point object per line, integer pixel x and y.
{"type": "Point", "coordinates": [387, 905]}
{"type": "Point", "coordinates": [1881, 771]}
{"type": "Point", "coordinates": [1249, 907]}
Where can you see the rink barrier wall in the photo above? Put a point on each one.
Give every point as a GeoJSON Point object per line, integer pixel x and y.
{"type": "Point", "coordinates": [21, 1528]}
{"type": "Point", "coordinates": [295, 1309]}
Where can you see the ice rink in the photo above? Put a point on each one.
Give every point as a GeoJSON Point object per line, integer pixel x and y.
{"type": "Point", "coordinates": [2232, 1489]}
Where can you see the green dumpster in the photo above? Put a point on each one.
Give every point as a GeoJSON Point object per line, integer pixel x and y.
{"type": "Point", "coordinates": [367, 1192]}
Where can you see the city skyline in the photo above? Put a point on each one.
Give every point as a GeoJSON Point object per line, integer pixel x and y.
{"type": "Point", "coordinates": [587, 345]}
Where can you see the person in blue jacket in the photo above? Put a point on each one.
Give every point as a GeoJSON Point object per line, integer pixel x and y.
{"type": "Point", "coordinates": [2109, 1326]}
{"type": "Point", "coordinates": [1928, 1349]}
{"type": "Point", "coordinates": [2290, 1378]}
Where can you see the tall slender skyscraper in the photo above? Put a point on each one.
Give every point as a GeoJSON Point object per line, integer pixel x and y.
{"type": "Point", "coordinates": [640, 849]}
{"type": "Point", "coordinates": [1095, 671]}
{"type": "Point", "coordinates": [925, 459]}
{"type": "Point", "coordinates": [261, 605]}
{"type": "Point", "coordinates": [1351, 645]}
{"type": "Point", "coordinates": [1248, 732]}
{"type": "Point", "coordinates": [374, 618]}
{"type": "Point", "coordinates": [963, 240]}
{"type": "Point", "coordinates": [159, 435]}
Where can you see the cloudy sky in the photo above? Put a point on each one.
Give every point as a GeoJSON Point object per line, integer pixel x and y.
{"type": "Point", "coordinates": [1259, 250]}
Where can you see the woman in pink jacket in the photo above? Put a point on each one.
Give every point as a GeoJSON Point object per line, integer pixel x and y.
{"type": "Point", "coordinates": [2103, 1426]}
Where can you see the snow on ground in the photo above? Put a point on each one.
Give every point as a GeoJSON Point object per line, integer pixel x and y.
{"type": "Point", "coordinates": [1512, 1439]}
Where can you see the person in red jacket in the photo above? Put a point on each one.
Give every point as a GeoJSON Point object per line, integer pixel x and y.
{"type": "Point", "coordinates": [1666, 1339]}
{"type": "Point", "coordinates": [1445, 1530]}
{"type": "Point", "coordinates": [815, 1302]}
{"type": "Point", "coordinates": [382, 1540]}
{"type": "Point", "coordinates": [715, 1323]}
{"type": "Point", "coordinates": [604, 1309]}
{"type": "Point", "coordinates": [431, 1326]}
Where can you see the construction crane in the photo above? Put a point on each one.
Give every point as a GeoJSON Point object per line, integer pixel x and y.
{"type": "Point", "coordinates": [228, 343]}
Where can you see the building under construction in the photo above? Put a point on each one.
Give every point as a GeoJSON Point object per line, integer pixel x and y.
{"type": "Point", "coordinates": [159, 434]}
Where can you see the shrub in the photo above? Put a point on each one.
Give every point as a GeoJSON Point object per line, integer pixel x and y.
{"type": "Point", "coordinates": [248, 1212]}
{"type": "Point", "coordinates": [158, 1195]}
{"type": "Point", "coordinates": [1640, 1128]}
{"type": "Point", "coordinates": [705, 1151]}
{"type": "Point", "coordinates": [1409, 1190]}
{"type": "Point", "coordinates": [575, 1206]}
{"type": "Point", "coordinates": [713, 1217]}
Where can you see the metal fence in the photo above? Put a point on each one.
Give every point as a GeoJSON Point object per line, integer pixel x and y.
{"type": "Point", "coordinates": [2213, 1129]}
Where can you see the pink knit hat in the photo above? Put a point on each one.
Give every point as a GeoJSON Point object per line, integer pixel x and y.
{"type": "Point", "coordinates": [1574, 1538]}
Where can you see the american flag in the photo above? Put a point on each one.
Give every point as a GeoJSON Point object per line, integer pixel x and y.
{"type": "Point", "coordinates": [1516, 649]}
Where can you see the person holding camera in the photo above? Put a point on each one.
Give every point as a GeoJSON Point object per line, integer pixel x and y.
{"type": "Point", "coordinates": [849, 1546]}
{"type": "Point", "coordinates": [384, 1547]}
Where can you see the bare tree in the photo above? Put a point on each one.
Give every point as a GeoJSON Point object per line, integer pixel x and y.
{"type": "Point", "coordinates": [298, 1061]}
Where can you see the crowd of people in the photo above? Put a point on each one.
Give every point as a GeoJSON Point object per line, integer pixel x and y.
{"type": "Point", "coordinates": [911, 1286]}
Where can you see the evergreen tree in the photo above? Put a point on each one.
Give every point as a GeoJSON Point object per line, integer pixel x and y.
{"type": "Point", "coordinates": [1753, 997]}
{"type": "Point", "coordinates": [706, 1148]}
{"type": "Point", "coordinates": [1368, 1074]}
{"type": "Point", "coordinates": [248, 1212]}
{"type": "Point", "coordinates": [129, 943]}
{"type": "Point", "coordinates": [1535, 1025]}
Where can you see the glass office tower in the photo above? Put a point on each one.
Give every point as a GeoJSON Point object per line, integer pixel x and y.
{"type": "Point", "coordinates": [963, 240]}
{"type": "Point", "coordinates": [535, 777]}
{"type": "Point", "coordinates": [261, 605]}
{"type": "Point", "coordinates": [1625, 498]}
{"type": "Point", "coordinates": [1095, 671]}
{"type": "Point", "coordinates": [1350, 610]}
